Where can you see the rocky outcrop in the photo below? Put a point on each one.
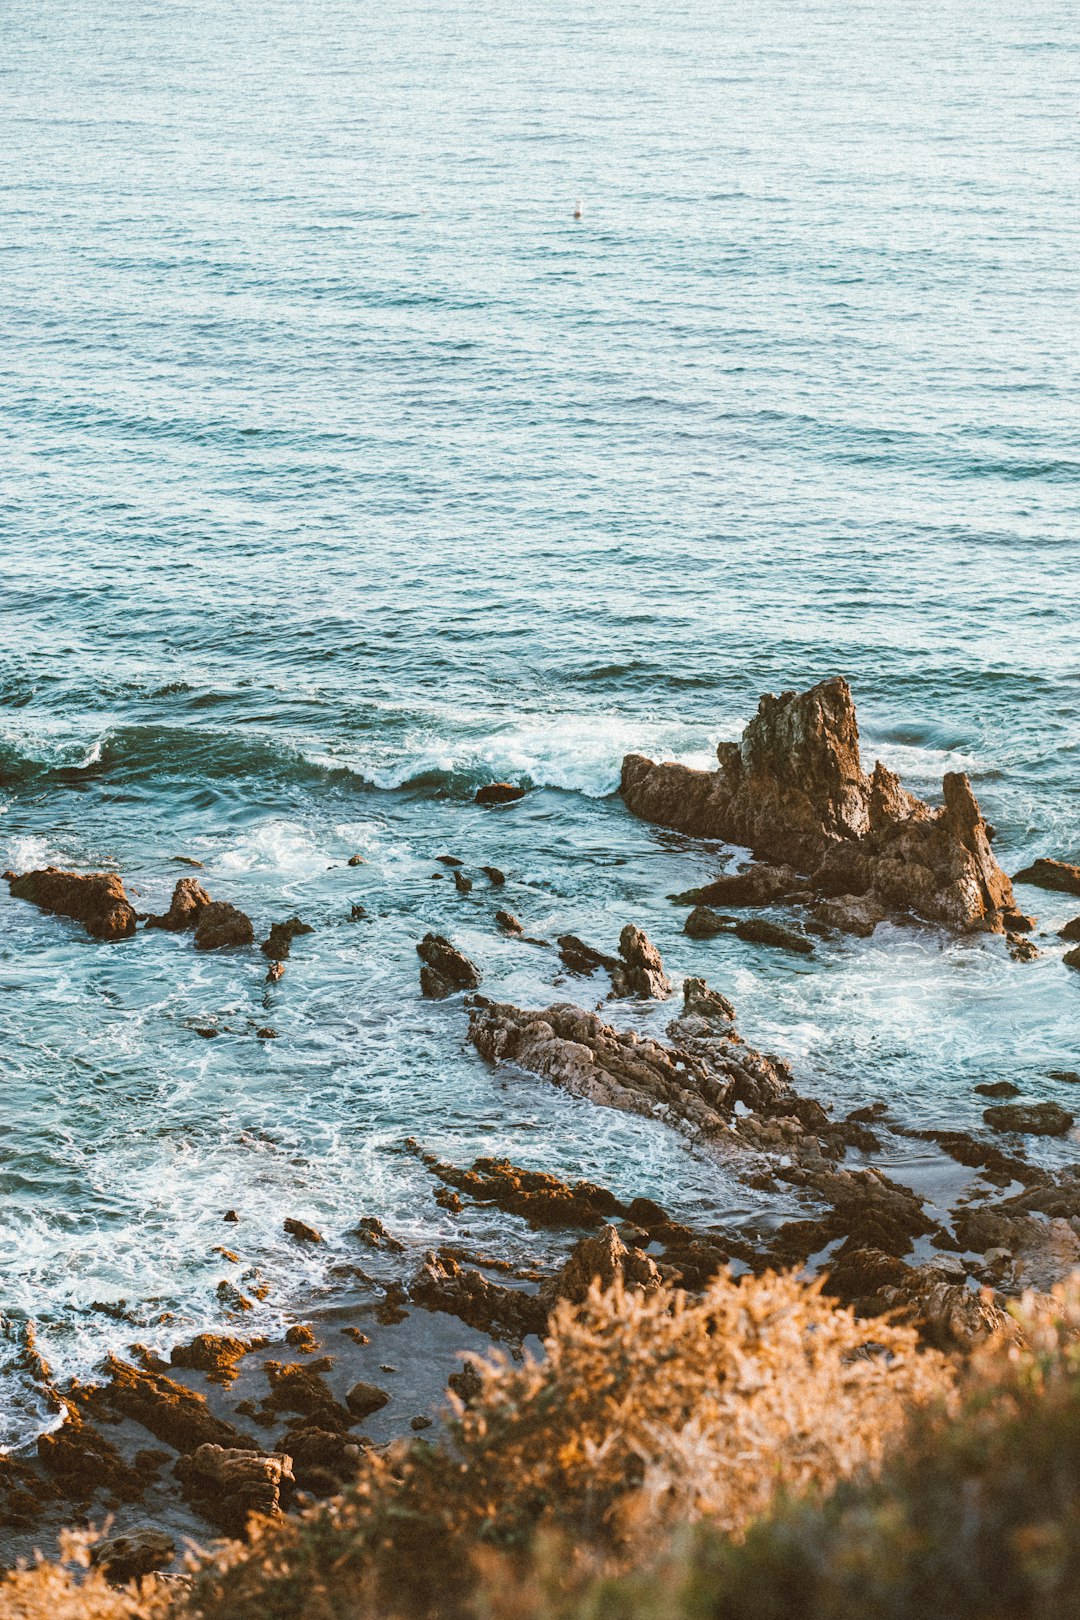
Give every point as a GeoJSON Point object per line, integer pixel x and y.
{"type": "Point", "coordinates": [498, 793]}
{"type": "Point", "coordinates": [542, 1199]}
{"type": "Point", "coordinates": [215, 1354]}
{"type": "Point", "coordinates": [189, 898]}
{"type": "Point", "coordinates": [934, 1297]}
{"type": "Point", "coordinates": [601, 1259]}
{"type": "Point", "coordinates": [173, 1414]}
{"type": "Point", "coordinates": [278, 942]}
{"type": "Point", "coordinates": [794, 792]}
{"type": "Point", "coordinates": [1048, 874]}
{"type": "Point", "coordinates": [221, 924]}
{"type": "Point", "coordinates": [227, 1486]}
{"type": "Point", "coordinates": [445, 969]}
{"type": "Point", "coordinates": [636, 971]}
{"type": "Point", "coordinates": [443, 1284]}
{"type": "Point", "coordinates": [1033, 1119]}
{"type": "Point", "coordinates": [136, 1553]}
{"type": "Point", "coordinates": [96, 899]}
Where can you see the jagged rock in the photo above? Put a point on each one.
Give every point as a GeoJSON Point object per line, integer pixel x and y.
{"type": "Point", "coordinates": [96, 899]}
{"type": "Point", "coordinates": [756, 885]}
{"type": "Point", "coordinates": [1071, 931]}
{"type": "Point", "coordinates": [704, 923]}
{"type": "Point", "coordinates": [301, 1230]}
{"type": "Point", "coordinates": [578, 1052]}
{"type": "Point", "coordinates": [701, 1002]}
{"type": "Point", "coordinates": [760, 931]}
{"type": "Point", "coordinates": [850, 913]}
{"type": "Point", "coordinates": [1034, 1119]}
{"type": "Point", "coordinates": [1021, 949]}
{"type": "Point", "coordinates": [1048, 874]}
{"type": "Point", "coordinates": [442, 1284]}
{"type": "Point", "coordinates": [508, 923]}
{"type": "Point", "coordinates": [323, 1460]}
{"type": "Point", "coordinates": [585, 959]}
{"type": "Point", "coordinates": [466, 1384]}
{"type": "Point", "coordinates": [173, 1414]}
{"type": "Point", "coordinates": [370, 1230]}
{"type": "Point", "coordinates": [445, 969]}
{"type": "Point", "coordinates": [636, 971]}
{"type": "Point", "coordinates": [494, 876]}
{"type": "Point", "coordinates": [220, 924]}
{"type": "Point", "coordinates": [136, 1553]}
{"type": "Point", "coordinates": [301, 1337]}
{"type": "Point", "coordinates": [1072, 958]}
{"type": "Point", "coordinates": [600, 1258]}
{"type": "Point", "coordinates": [278, 942]}
{"type": "Point", "coordinates": [462, 884]}
{"type": "Point", "coordinates": [296, 1388]}
{"type": "Point", "coordinates": [540, 1198]}
{"type": "Point", "coordinates": [795, 793]}
{"type": "Point", "coordinates": [946, 1312]}
{"type": "Point", "coordinates": [188, 899]}
{"type": "Point", "coordinates": [82, 1461]}
{"type": "Point", "coordinates": [643, 974]}
{"type": "Point", "coordinates": [498, 793]}
{"type": "Point", "coordinates": [227, 1486]}
{"type": "Point", "coordinates": [215, 1354]}
{"type": "Point", "coordinates": [364, 1399]}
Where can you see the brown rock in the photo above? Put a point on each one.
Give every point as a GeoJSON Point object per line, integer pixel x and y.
{"type": "Point", "coordinates": [302, 1231]}
{"type": "Point", "coordinates": [443, 1284]}
{"type": "Point", "coordinates": [82, 1461]}
{"type": "Point", "coordinates": [364, 1399]}
{"type": "Point", "coordinates": [296, 1388]}
{"type": "Point", "coordinates": [508, 923]}
{"type": "Point", "coordinates": [1048, 874]}
{"type": "Point", "coordinates": [96, 899]}
{"type": "Point", "coordinates": [220, 924]}
{"type": "Point", "coordinates": [601, 1259]}
{"type": "Point", "coordinates": [704, 923]}
{"type": "Point", "coordinates": [757, 885]}
{"type": "Point", "coordinates": [760, 931]}
{"type": "Point", "coordinates": [1071, 931]}
{"type": "Point", "coordinates": [445, 969]}
{"type": "Point", "coordinates": [136, 1553]}
{"type": "Point", "coordinates": [1034, 1119]}
{"type": "Point", "coordinates": [498, 793]}
{"type": "Point", "coordinates": [850, 913]}
{"type": "Point", "coordinates": [998, 1088]}
{"type": "Point", "coordinates": [494, 876]}
{"type": "Point", "coordinates": [227, 1486]}
{"type": "Point", "coordinates": [643, 973]}
{"type": "Point", "coordinates": [278, 942]}
{"type": "Point", "coordinates": [356, 860]}
{"type": "Point", "coordinates": [215, 1354]}
{"type": "Point", "coordinates": [188, 900]}
{"type": "Point", "coordinates": [1072, 958]}
{"type": "Point", "coordinates": [462, 884]}
{"type": "Point", "coordinates": [794, 791]}
{"type": "Point", "coordinates": [173, 1414]}
{"type": "Point", "coordinates": [537, 1196]}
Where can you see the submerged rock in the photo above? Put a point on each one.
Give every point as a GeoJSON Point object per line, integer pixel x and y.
{"type": "Point", "coordinates": [1034, 1119]}
{"type": "Point", "coordinates": [445, 969]}
{"type": "Point", "coordinates": [278, 942]}
{"type": "Point", "coordinates": [301, 1230]}
{"type": "Point", "coordinates": [364, 1399]}
{"type": "Point", "coordinates": [794, 791]}
{"type": "Point", "coordinates": [760, 931]}
{"type": "Point", "coordinates": [96, 899]}
{"type": "Point", "coordinates": [221, 924]}
{"type": "Point", "coordinates": [508, 923]}
{"type": "Point", "coordinates": [498, 793]}
{"type": "Point", "coordinates": [999, 1089]}
{"type": "Point", "coordinates": [189, 898]}
{"type": "Point", "coordinates": [1047, 874]}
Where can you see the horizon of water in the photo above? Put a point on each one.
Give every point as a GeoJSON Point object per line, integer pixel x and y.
{"type": "Point", "coordinates": [343, 470]}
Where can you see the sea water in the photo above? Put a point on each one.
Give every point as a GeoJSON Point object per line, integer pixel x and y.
{"type": "Point", "coordinates": [343, 470]}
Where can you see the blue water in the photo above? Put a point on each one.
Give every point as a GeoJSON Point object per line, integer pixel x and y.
{"type": "Point", "coordinates": [342, 469]}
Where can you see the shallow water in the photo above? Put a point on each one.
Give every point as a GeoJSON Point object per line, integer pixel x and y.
{"type": "Point", "coordinates": [341, 470]}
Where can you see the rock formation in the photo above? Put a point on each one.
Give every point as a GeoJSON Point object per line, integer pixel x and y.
{"type": "Point", "coordinates": [795, 793]}
{"type": "Point", "coordinates": [445, 968]}
{"type": "Point", "coordinates": [188, 900]}
{"type": "Point", "coordinates": [221, 924]}
{"type": "Point", "coordinates": [1048, 874]}
{"type": "Point", "coordinates": [96, 899]}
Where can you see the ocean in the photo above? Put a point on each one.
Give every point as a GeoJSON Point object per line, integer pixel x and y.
{"type": "Point", "coordinates": [343, 470]}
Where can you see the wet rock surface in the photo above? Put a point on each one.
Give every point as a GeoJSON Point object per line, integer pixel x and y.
{"type": "Point", "coordinates": [130, 1556]}
{"type": "Point", "coordinates": [498, 793]}
{"type": "Point", "coordinates": [1036, 1119]}
{"type": "Point", "coordinates": [96, 899]}
{"type": "Point", "coordinates": [278, 942]}
{"type": "Point", "coordinates": [221, 924]}
{"type": "Point", "coordinates": [1044, 873]}
{"type": "Point", "coordinates": [189, 898]}
{"type": "Point", "coordinates": [795, 793]}
{"type": "Point", "coordinates": [445, 969]}
{"type": "Point", "coordinates": [227, 1486]}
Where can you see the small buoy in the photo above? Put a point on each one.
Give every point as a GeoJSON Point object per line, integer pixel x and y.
{"type": "Point", "coordinates": [578, 210]}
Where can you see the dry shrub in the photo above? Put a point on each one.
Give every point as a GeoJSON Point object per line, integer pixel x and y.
{"type": "Point", "coordinates": [646, 1411]}
{"type": "Point", "coordinates": [71, 1590]}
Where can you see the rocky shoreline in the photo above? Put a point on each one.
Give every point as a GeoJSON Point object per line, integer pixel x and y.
{"type": "Point", "coordinates": [187, 1447]}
